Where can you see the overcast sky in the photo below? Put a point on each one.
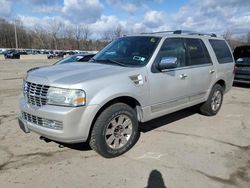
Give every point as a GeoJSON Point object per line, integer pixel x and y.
{"type": "Point", "coordinates": [216, 16]}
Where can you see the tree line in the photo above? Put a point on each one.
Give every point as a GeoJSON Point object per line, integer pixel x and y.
{"type": "Point", "coordinates": [57, 35]}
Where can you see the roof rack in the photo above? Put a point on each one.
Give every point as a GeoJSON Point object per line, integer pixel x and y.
{"type": "Point", "coordinates": [159, 32]}
{"type": "Point", "coordinates": [193, 33]}
{"type": "Point", "coordinates": [184, 32]}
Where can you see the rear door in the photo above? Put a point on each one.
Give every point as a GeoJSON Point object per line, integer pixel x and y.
{"type": "Point", "coordinates": [225, 61]}
{"type": "Point", "coordinates": [201, 69]}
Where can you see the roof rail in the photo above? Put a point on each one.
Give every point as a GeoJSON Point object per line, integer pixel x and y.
{"type": "Point", "coordinates": [183, 32]}
{"type": "Point", "coordinates": [159, 32]}
{"type": "Point", "coordinates": [193, 33]}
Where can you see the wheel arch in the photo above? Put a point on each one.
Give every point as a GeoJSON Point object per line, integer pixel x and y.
{"type": "Point", "coordinates": [130, 101]}
{"type": "Point", "coordinates": [222, 83]}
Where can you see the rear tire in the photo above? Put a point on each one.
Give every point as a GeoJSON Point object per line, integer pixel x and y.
{"type": "Point", "coordinates": [115, 131]}
{"type": "Point", "coordinates": [213, 104]}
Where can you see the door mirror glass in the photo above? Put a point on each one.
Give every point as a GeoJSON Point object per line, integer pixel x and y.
{"type": "Point", "coordinates": [167, 63]}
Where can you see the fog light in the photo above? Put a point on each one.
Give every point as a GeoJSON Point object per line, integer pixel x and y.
{"type": "Point", "coordinates": [52, 124]}
{"type": "Point", "coordinates": [48, 123]}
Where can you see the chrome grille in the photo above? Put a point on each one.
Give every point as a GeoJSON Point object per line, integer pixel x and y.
{"type": "Point", "coordinates": [35, 94]}
{"type": "Point", "coordinates": [52, 124]}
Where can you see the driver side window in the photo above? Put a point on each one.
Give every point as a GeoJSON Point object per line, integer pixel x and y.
{"type": "Point", "coordinates": [173, 48]}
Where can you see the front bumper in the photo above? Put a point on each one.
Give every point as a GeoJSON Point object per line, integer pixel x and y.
{"type": "Point", "coordinates": [76, 122]}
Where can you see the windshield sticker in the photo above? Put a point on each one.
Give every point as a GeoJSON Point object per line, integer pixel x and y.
{"type": "Point", "coordinates": [110, 53]}
{"type": "Point", "coordinates": [152, 40]}
{"type": "Point", "coordinates": [138, 58]}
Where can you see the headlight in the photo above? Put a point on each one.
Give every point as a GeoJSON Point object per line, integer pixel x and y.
{"type": "Point", "coordinates": [66, 97]}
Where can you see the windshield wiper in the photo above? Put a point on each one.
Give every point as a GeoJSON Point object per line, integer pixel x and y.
{"type": "Point", "coordinates": [111, 61]}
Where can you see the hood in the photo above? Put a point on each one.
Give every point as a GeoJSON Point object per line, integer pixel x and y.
{"type": "Point", "coordinates": [73, 73]}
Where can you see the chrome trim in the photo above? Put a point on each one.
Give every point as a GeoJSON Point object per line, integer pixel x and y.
{"type": "Point", "coordinates": [188, 67]}
{"type": "Point", "coordinates": [176, 102]}
{"type": "Point", "coordinates": [35, 94]}
{"type": "Point", "coordinates": [169, 104]}
{"type": "Point", "coordinates": [43, 122]}
{"type": "Point", "coordinates": [197, 96]}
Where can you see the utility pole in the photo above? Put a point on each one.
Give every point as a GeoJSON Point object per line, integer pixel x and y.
{"type": "Point", "coordinates": [15, 34]}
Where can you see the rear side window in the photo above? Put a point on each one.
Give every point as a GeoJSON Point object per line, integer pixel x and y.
{"type": "Point", "coordinates": [221, 51]}
{"type": "Point", "coordinates": [197, 52]}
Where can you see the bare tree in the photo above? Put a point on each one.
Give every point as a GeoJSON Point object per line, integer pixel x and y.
{"type": "Point", "coordinates": [78, 33]}
{"type": "Point", "coordinates": [118, 32]}
{"type": "Point", "coordinates": [227, 35]}
{"type": "Point", "coordinates": [81, 34]}
{"type": "Point", "coordinates": [86, 42]}
{"type": "Point", "coordinates": [40, 35]}
{"type": "Point", "coordinates": [107, 35]}
{"type": "Point", "coordinates": [55, 27]}
{"type": "Point", "coordinates": [86, 33]}
{"type": "Point", "coordinates": [248, 37]}
{"type": "Point", "coordinates": [54, 36]}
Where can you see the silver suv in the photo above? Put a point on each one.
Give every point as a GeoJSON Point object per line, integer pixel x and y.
{"type": "Point", "coordinates": [133, 79]}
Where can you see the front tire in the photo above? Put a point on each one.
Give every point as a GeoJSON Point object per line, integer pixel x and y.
{"type": "Point", "coordinates": [115, 131]}
{"type": "Point", "coordinates": [213, 104]}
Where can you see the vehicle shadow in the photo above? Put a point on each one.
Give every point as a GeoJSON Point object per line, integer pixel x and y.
{"type": "Point", "coordinates": [155, 180]}
{"type": "Point", "coordinates": [243, 85]}
{"type": "Point", "coordinates": [77, 146]}
{"type": "Point", "coordinates": [84, 146]}
{"type": "Point", "coordinates": [167, 119]}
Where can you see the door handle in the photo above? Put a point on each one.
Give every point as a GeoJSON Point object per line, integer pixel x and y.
{"type": "Point", "coordinates": [183, 76]}
{"type": "Point", "coordinates": [212, 71]}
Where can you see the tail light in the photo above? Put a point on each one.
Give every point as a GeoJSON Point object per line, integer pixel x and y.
{"type": "Point", "coordinates": [234, 69]}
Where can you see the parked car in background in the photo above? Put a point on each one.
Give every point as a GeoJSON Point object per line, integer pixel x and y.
{"type": "Point", "coordinates": [11, 54]}
{"type": "Point", "coordinates": [242, 64]}
{"type": "Point", "coordinates": [2, 50]}
{"type": "Point", "coordinates": [55, 54]}
{"type": "Point", "coordinates": [22, 52]}
{"type": "Point", "coordinates": [75, 58]}
{"type": "Point", "coordinates": [69, 59]}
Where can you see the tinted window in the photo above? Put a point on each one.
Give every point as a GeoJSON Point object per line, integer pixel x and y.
{"type": "Point", "coordinates": [173, 47]}
{"type": "Point", "coordinates": [197, 52]}
{"type": "Point", "coordinates": [221, 51]}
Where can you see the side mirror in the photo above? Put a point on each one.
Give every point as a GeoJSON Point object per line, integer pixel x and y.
{"type": "Point", "coordinates": [167, 63]}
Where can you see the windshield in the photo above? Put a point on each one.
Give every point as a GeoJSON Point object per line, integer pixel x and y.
{"type": "Point", "coordinates": [69, 59]}
{"type": "Point", "coordinates": [128, 51]}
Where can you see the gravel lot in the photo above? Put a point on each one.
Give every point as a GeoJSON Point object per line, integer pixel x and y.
{"type": "Point", "coordinates": [183, 149]}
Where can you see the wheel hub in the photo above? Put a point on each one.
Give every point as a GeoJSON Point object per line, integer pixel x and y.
{"type": "Point", "coordinates": [118, 131]}
{"type": "Point", "coordinates": [216, 100]}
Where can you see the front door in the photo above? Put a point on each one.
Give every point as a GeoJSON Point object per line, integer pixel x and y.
{"type": "Point", "coordinates": [168, 88]}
